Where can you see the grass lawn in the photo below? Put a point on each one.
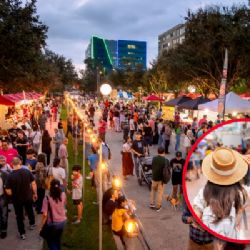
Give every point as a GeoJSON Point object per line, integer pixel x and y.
{"type": "Point", "coordinates": [85, 235]}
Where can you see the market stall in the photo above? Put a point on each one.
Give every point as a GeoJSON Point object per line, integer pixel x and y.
{"type": "Point", "coordinates": [233, 104]}
{"type": "Point", "coordinates": [12, 106]}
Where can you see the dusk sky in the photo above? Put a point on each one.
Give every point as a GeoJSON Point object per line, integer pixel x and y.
{"type": "Point", "coordinates": [72, 22]}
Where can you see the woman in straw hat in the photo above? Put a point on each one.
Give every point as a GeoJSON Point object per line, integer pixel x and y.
{"type": "Point", "coordinates": [220, 203]}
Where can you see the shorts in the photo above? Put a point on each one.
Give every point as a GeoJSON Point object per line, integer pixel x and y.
{"type": "Point", "coordinates": [147, 140]}
{"type": "Point", "coordinates": [177, 179]}
{"type": "Point", "coordinates": [190, 165]}
{"type": "Point", "coordinates": [197, 163]}
{"type": "Point", "coordinates": [77, 202]}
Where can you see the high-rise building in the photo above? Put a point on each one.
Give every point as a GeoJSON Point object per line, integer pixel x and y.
{"type": "Point", "coordinates": [117, 54]}
{"type": "Point", "coordinates": [171, 38]}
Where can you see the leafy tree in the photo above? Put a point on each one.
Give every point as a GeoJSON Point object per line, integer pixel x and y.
{"type": "Point", "coordinates": [199, 60]}
{"type": "Point", "coordinates": [22, 36]}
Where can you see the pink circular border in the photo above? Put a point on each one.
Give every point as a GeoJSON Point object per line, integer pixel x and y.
{"type": "Point", "coordinates": [185, 188]}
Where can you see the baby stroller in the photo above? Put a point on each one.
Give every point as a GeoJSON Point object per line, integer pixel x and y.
{"type": "Point", "coordinates": [145, 171]}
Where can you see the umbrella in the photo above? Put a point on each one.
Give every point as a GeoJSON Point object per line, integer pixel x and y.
{"type": "Point", "coordinates": [153, 98]}
{"type": "Point", "coordinates": [177, 101]}
{"type": "Point", "coordinates": [194, 103]}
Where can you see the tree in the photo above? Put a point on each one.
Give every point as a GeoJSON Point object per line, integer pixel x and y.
{"type": "Point", "coordinates": [199, 60]}
{"type": "Point", "coordinates": [22, 36]}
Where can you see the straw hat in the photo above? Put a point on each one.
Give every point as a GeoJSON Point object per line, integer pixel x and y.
{"type": "Point", "coordinates": [224, 166]}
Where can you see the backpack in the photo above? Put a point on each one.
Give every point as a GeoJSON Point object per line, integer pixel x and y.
{"type": "Point", "coordinates": [166, 172]}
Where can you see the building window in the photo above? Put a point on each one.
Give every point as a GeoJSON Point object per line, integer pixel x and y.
{"type": "Point", "coordinates": [131, 46]}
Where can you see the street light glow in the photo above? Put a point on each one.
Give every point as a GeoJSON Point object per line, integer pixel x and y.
{"type": "Point", "coordinates": [105, 89]}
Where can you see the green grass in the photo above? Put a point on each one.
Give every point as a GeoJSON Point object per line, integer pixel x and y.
{"type": "Point", "coordinates": [84, 236]}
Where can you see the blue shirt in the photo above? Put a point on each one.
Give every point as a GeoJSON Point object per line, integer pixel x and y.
{"type": "Point", "coordinates": [32, 163]}
{"type": "Point", "coordinates": [93, 159]}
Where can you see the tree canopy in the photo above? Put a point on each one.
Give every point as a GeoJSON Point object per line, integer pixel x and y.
{"type": "Point", "coordinates": [24, 61]}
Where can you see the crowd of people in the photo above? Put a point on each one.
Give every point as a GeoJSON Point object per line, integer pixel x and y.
{"type": "Point", "coordinates": [35, 172]}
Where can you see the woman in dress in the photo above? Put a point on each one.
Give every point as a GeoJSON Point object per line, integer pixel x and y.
{"type": "Point", "coordinates": [127, 161]}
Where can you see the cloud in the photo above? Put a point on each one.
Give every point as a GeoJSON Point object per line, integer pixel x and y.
{"type": "Point", "coordinates": [72, 22]}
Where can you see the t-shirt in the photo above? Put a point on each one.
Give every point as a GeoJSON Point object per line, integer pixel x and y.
{"type": "Point", "coordinates": [117, 219]}
{"type": "Point", "coordinates": [147, 131]}
{"type": "Point", "coordinates": [19, 182]}
{"type": "Point", "coordinates": [138, 146]}
{"type": "Point", "coordinates": [36, 137]}
{"type": "Point", "coordinates": [59, 174]}
{"type": "Point", "coordinates": [57, 208]}
{"type": "Point", "coordinates": [158, 165]}
{"type": "Point", "coordinates": [93, 159]}
{"type": "Point", "coordinates": [110, 207]}
{"type": "Point", "coordinates": [131, 124]}
{"type": "Point", "coordinates": [177, 165]}
{"type": "Point", "coordinates": [77, 188]}
{"type": "Point", "coordinates": [32, 163]}
{"type": "Point", "coordinates": [9, 154]}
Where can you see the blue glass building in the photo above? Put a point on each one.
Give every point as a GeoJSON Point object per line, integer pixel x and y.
{"type": "Point", "coordinates": [118, 54]}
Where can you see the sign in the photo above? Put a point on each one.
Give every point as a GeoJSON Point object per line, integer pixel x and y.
{"type": "Point", "coordinates": [168, 113]}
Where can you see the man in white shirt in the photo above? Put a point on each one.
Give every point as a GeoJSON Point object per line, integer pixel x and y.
{"type": "Point", "coordinates": [36, 137]}
{"type": "Point", "coordinates": [131, 127]}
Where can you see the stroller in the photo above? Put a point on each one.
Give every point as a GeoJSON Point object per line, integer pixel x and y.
{"type": "Point", "coordinates": [145, 171]}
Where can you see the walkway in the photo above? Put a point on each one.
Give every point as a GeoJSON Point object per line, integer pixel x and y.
{"type": "Point", "coordinates": [164, 229]}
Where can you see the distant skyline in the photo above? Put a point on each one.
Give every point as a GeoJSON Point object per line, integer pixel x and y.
{"type": "Point", "coordinates": [72, 23]}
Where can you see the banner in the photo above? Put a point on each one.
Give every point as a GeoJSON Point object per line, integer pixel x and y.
{"type": "Point", "coordinates": [222, 94]}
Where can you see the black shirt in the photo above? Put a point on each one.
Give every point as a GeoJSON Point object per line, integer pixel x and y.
{"type": "Point", "coordinates": [138, 146]}
{"type": "Point", "coordinates": [21, 148]}
{"type": "Point", "coordinates": [106, 196]}
{"type": "Point", "coordinates": [110, 207]}
{"type": "Point", "coordinates": [177, 165]}
{"type": "Point", "coordinates": [19, 182]}
{"type": "Point", "coordinates": [13, 133]}
{"type": "Point", "coordinates": [147, 131]}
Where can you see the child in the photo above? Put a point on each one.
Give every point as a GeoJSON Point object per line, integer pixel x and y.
{"type": "Point", "coordinates": [76, 178]}
{"type": "Point", "coordinates": [220, 203]}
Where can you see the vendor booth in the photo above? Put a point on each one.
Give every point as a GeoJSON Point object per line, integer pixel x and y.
{"type": "Point", "coordinates": [233, 104]}
{"type": "Point", "coordinates": [10, 106]}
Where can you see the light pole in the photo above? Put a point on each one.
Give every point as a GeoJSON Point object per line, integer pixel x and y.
{"type": "Point", "coordinates": [105, 90]}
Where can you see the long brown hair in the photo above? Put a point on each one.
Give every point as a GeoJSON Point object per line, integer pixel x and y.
{"type": "Point", "coordinates": [221, 199]}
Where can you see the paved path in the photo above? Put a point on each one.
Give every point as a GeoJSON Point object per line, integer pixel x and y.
{"type": "Point", "coordinates": [33, 241]}
{"type": "Point", "coordinates": [164, 230]}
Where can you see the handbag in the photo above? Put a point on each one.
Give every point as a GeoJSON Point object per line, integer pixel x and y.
{"type": "Point", "coordinates": [46, 230]}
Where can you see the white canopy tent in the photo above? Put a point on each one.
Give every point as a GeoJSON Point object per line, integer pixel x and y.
{"type": "Point", "coordinates": [233, 103]}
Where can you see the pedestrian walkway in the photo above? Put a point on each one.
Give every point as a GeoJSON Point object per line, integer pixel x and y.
{"type": "Point", "coordinates": [165, 229]}
{"type": "Point", "coordinates": [33, 241]}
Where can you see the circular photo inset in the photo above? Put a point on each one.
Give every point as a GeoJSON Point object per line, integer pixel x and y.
{"type": "Point", "coordinates": [216, 181]}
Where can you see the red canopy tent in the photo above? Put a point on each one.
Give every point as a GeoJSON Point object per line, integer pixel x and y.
{"type": "Point", "coordinates": [153, 98]}
{"type": "Point", "coordinates": [13, 99]}
{"type": "Point", "coordinates": [245, 96]}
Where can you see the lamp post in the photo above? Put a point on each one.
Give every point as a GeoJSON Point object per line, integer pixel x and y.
{"type": "Point", "coordinates": [105, 90]}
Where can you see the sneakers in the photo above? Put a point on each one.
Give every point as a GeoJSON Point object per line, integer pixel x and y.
{"type": "Point", "coordinates": [23, 237]}
{"type": "Point", "coordinates": [158, 209]}
{"type": "Point", "coordinates": [152, 206]}
{"type": "Point", "coordinates": [76, 222]}
{"type": "Point", "coordinates": [32, 227]}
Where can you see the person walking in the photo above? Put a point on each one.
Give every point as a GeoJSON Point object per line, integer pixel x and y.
{"type": "Point", "coordinates": [40, 174]}
{"type": "Point", "coordinates": [36, 137]}
{"type": "Point", "coordinates": [102, 127]}
{"type": "Point", "coordinates": [158, 164]}
{"type": "Point", "coordinates": [177, 137]}
{"type": "Point", "coordinates": [22, 188]}
{"type": "Point", "coordinates": [58, 140]}
{"type": "Point", "coordinates": [3, 203]}
{"type": "Point", "coordinates": [54, 214]}
{"type": "Point", "coordinates": [21, 144]}
{"type": "Point", "coordinates": [46, 145]}
{"type": "Point", "coordinates": [177, 165]}
{"type": "Point", "coordinates": [167, 137]}
{"type": "Point", "coordinates": [127, 161]}
{"type": "Point", "coordinates": [138, 150]}
{"type": "Point", "coordinates": [63, 156]}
